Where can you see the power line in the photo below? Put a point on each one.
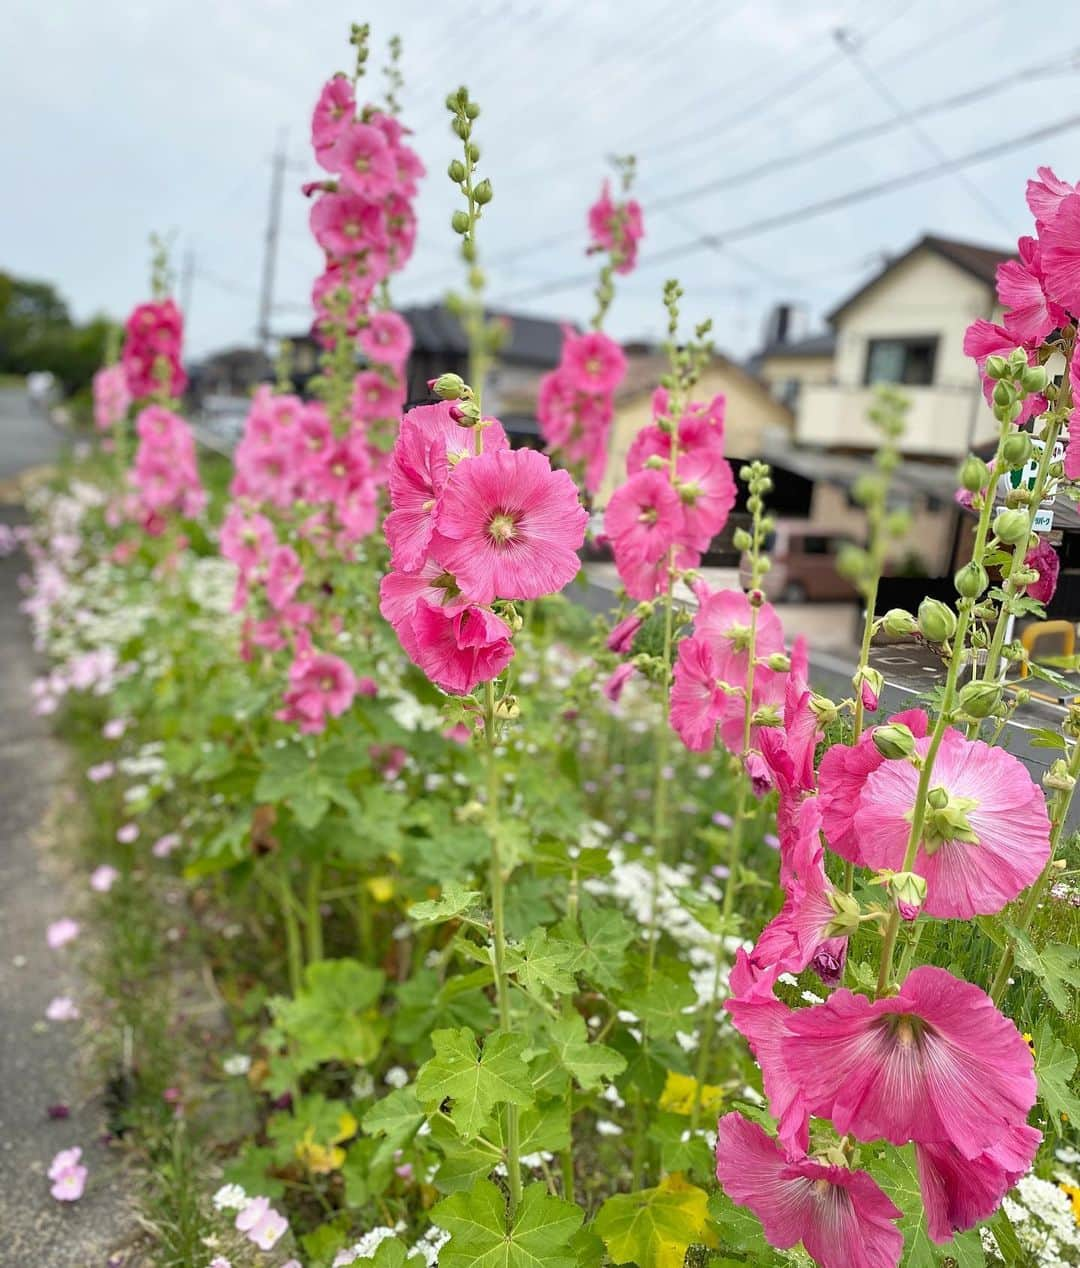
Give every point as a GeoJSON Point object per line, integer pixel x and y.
{"type": "Point", "coordinates": [848, 41]}
{"type": "Point", "coordinates": [809, 210]}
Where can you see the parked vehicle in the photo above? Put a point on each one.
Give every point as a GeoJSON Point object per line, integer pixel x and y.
{"type": "Point", "coordinates": [803, 564]}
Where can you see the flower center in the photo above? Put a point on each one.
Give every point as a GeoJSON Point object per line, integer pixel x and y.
{"type": "Point", "coordinates": [326, 683]}
{"type": "Point", "coordinates": [947, 820]}
{"type": "Point", "coordinates": [361, 163]}
{"type": "Point", "coordinates": [594, 365]}
{"type": "Point", "coordinates": [649, 515]}
{"type": "Point", "coordinates": [502, 528]}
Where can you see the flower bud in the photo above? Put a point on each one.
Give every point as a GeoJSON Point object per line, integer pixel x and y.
{"type": "Point", "coordinates": [483, 192]}
{"type": "Point", "coordinates": [1016, 449]}
{"type": "Point", "coordinates": [996, 367]}
{"type": "Point", "coordinates": [1011, 527]}
{"type": "Point", "coordinates": [1033, 378]}
{"type": "Point", "coordinates": [937, 621]}
{"type": "Point", "coordinates": [974, 474]}
{"type": "Point", "coordinates": [898, 624]}
{"type": "Point", "coordinates": [456, 170]}
{"type": "Point", "coordinates": [851, 562]}
{"type": "Point", "coordinates": [767, 715]}
{"type": "Point", "coordinates": [741, 540]}
{"type": "Point", "coordinates": [937, 798]}
{"type": "Point", "coordinates": [979, 699]}
{"type": "Point", "coordinates": [971, 580]}
{"type": "Point", "coordinates": [1004, 394]}
{"type": "Point", "coordinates": [847, 915]}
{"type": "Point", "coordinates": [894, 740]}
{"type": "Point", "coordinates": [824, 710]}
{"type": "Point", "coordinates": [447, 387]}
{"type": "Point", "coordinates": [1058, 777]}
{"type": "Point", "coordinates": [908, 891]}
{"type": "Point", "coordinates": [778, 662]}
{"type": "Point", "coordinates": [459, 222]}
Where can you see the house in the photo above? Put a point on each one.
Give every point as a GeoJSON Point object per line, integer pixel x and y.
{"type": "Point", "coordinates": [906, 326]}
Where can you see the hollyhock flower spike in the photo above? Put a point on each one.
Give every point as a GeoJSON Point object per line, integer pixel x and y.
{"type": "Point", "coordinates": [334, 111]}
{"type": "Point", "coordinates": [936, 1064]}
{"type": "Point", "coordinates": [510, 527]}
{"type": "Point", "coordinates": [842, 1217]}
{"type": "Point", "coordinates": [320, 686]}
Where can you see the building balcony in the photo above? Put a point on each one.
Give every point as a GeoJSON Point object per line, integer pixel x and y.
{"type": "Point", "coordinates": [941, 421]}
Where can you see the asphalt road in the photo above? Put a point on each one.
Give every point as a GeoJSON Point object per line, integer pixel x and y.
{"type": "Point", "coordinates": [27, 437]}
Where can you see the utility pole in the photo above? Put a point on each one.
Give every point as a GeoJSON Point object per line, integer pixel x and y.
{"type": "Point", "coordinates": [273, 224]}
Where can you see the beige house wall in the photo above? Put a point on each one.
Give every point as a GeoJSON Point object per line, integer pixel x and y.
{"type": "Point", "coordinates": [929, 537]}
{"type": "Point", "coordinates": [776, 370]}
{"type": "Point", "coordinates": [750, 411]}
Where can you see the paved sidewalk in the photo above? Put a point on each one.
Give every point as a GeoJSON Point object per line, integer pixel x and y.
{"type": "Point", "coordinates": [38, 1061]}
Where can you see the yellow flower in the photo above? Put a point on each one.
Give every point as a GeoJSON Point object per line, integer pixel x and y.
{"type": "Point", "coordinates": [381, 888]}
{"type": "Point", "coordinates": [320, 1159]}
{"type": "Point", "coordinates": [1072, 1192]}
{"type": "Point", "coordinates": [1029, 1040]}
{"type": "Point", "coordinates": [678, 1095]}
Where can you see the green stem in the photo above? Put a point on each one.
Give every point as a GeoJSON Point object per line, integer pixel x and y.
{"type": "Point", "coordinates": [498, 914]}
{"type": "Point", "coordinates": [313, 917]}
{"type": "Point", "coordinates": [293, 949]}
{"type": "Point", "coordinates": [918, 817]}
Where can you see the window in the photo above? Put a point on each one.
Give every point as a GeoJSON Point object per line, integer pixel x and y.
{"type": "Point", "coordinates": [909, 361]}
{"type": "Point", "coordinates": [787, 392]}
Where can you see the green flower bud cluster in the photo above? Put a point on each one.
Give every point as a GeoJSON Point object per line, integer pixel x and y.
{"type": "Point", "coordinates": [936, 620]}
{"type": "Point", "coordinates": [971, 580]}
{"type": "Point", "coordinates": [1014, 380]}
{"type": "Point", "coordinates": [1011, 526]}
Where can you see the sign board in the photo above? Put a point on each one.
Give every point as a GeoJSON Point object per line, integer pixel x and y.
{"type": "Point", "coordinates": [1044, 519]}
{"type": "Point", "coordinates": [1026, 476]}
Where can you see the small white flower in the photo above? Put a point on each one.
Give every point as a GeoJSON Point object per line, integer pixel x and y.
{"type": "Point", "coordinates": [238, 1063]}
{"type": "Point", "coordinates": [230, 1197]}
{"type": "Point", "coordinates": [604, 1127]}
{"type": "Point", "coordinates": [396, 1077]}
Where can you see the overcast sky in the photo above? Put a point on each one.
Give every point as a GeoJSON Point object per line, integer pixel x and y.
{"type": "Point", "coordinates": [121, 118]}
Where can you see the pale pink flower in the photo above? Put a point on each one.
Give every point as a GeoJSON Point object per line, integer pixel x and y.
{"type": "Point", "coordinates": [251, 1213]}
{"type": "Point", "coordinates": [100, 772]}
{"type": "Point", "coordinates": [103, 878]}
{"type": "Point", "coordinates": [935, 1064]}
{"type": "Point", "coordinates": [510, 527]}
{"type": "Point", "coordinates": [61, 932]}
{"type": "Point", "coordinates": [68, 1176]}
{"type": "Point", "coordinates": [114, 728]}
{"type": "Point", "coordinates": [842, 1217]}
{"type": "Point", "coordinates": [269, 1230]}
{"type": "Point", "coordinates": [111, 396]}
{"type": "Point", "coordinates": [1006, 812]}
{"type": "Point", "coordinates": [62, 1008]}
{"type": "Point", "coordinates": [165, 845]}
{"type": "Point", "coordinates": [127, 833]}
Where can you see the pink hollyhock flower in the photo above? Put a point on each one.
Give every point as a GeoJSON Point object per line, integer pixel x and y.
{"type": "Point", "coordinates": [644, 518]}
{"type": "Point", "coordinates": [399, 593]}
{"type": "Point", "coordinates": [1045, 195]}
{"type": "Point", "coordinates": [1059, 242]}
{"type": "Point", "coordinates": [457, 649]}
{"type": "Point", "coordinates": [61, 932]}
{"type": "Point", "coordinates": [593, 362]}
{"type": "Point", "coordinates": [984, 339]}
{"type": "Point", "coordinates": [970, 870]}
{"type": "Point", "coordinates": [762, 1020]}
{"type": "Point", "coordinates": [1029, 316]}
{"type": "Point", "coordinates": [617, 680]}
{"type": "Point", "coordinates": [103, 878]}
{"type": "Point", "coordinates": [841, 1217]}
{"type": "Point", "coordinates": [112, 400]}
{"type": "Point", "coordinates": [62, 1008]}
{"type": "Point", "coordinates": [1044, 559]}
{"type": "Point", "coordinates": [797, 937]}
{"type": "Point", "coordinates": [697, 702]}
{"type": "Point", "coordinates": [362, 157]}
{"type": "Point", "coordinates": [68, 1175]}
{"type": "Point", "coordinates": [842, 777]}
{"type": "Point", "coordinates": [958, 1192]}
{"type": "Point", "coordinates": [334, 111]}
{"type": "Point", "coordinates": [375, 397]}
{"type": "Point", "coordinates": [706, 489]}
{"type": "Point", "coordinates": [647, 580]}
{"type": "Point", "coordinates": [868, 696]}
{"type": "Point", "coordinates": [789, 750]}
{"type": "Point", "coordinates": [320, 686]}
{"type": "Point", "coordinates": [616, 228]}
{"type": "Point", "coordinates": [151, 352]}
{"type": "Point", "coordinates": [284, 577]}
{"type": "Point", "coordinates": [1072, 441]}
{"type": "Point", "coordinates": [936, 1064]}
{"type": "Point", "coordinates": [387, 339]}
{"type": "Point", "coordinates": [246, 539]}
{"type": "Point", "coordinates": [622, 636]}
{"type": "Point", "coordinates": [344, 225]}
{"type": "Point", "coordinates": [510, 527]}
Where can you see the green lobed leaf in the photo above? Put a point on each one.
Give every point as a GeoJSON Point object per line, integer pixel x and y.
{"type": "Point", "coordinates": [474, 1080]}
{"type": "Point", "coordinates": [654, 1228]}
{"type": "Point", "coordinates": [543, 964]}
{"type": "Point", "coordinates": [538, 1237]}
{"type": "Point", "coordinates": [455, 901]}
{"type": "Point", "coordinates": [589, 1063]}
{"type": "Point", "coordinates": [1056, 966]}
{"type": "Point", "coordinates": [1055, 1065]}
